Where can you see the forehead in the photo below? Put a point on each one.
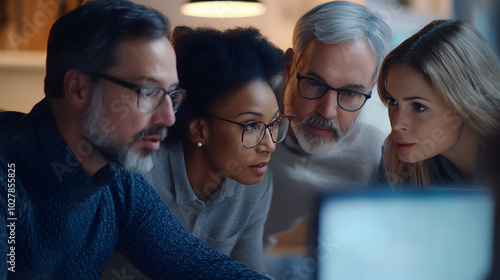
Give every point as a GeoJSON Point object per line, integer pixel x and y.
{"type": "Point", "coordinates": [350, 63]}
{"type": "Point", "coordinates": [404, 81]}
{"type": "Point", "coordinates": [256, 96]}
{"type": "Point", "coordinates": [152, 57]}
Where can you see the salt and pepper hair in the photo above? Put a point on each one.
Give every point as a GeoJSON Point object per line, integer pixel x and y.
{"type": "Point", "coordinates": [463, 70]}
{"type": "Point", "coordinates": [87, 38]}
{"type": "Point", "coordinates": [342, 22]}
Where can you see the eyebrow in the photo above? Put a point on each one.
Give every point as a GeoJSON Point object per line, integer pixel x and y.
{"type": "Point", "coordinates": [257, 114]}
{"type": "Point", "coordinates": [155, 82]}
{"type": "Point", "coordinates": [147, 79]}
{"type": "Point", "coordinates": [414, 98]}
{"type": "Point", "coordinates": [358, 87]}
{"type": "Point", "coordinates": [411, 98]}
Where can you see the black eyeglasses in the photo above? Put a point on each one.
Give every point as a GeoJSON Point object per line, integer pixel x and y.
{"type": "Point", "coordinates": [348, 100]}
{"type": "Point", "coordinates": [253, 131]}
{"type": "Point", "coordinates": [149, 97]}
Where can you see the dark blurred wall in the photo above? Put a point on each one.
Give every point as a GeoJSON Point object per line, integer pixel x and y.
{"type": "Point", "coordinates": [484, 15]}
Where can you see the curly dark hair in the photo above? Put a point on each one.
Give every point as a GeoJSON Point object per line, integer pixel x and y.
{"type": "Point", "coordinates": [212, 64]}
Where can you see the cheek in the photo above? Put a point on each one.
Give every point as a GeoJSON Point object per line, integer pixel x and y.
{"type": "Point", "coordinates": [126, 121]}
{"type": "Point", "coordinates": [392, 115]}
{"type": "Point", "coordinates": [227, 152]}
{"type": "Point", "coordinates": [120, 106]}
{"type": "Point", "coordinates": [304, 108]}
{"type": "Point", "coordinates": [436, 137]}
{"type": "Point", "coordinates": [448, 135]}
{"type": "Point", "coordinates": [431, 129]}
{"type": "Point", "coordinates": [346, 119]}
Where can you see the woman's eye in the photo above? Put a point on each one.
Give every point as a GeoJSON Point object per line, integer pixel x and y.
{"type": "Point", "coordinates": [419, 107]}
{"type": "Point", "coordinates": [250, 126]}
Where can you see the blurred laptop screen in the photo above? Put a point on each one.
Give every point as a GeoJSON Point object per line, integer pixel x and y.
{"type": "Point", "coordinates": [442, 235]}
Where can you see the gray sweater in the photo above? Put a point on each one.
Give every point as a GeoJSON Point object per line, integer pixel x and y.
{"type": "Point", "coordinates": [299, 176]}
{"type": "Point", "coordinates": [231, 221]}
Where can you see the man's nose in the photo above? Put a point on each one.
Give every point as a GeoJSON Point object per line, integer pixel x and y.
{"type": "Point", "coordinates": [164, 114]}
{"type": "Point", "coordinates": [328, 105]}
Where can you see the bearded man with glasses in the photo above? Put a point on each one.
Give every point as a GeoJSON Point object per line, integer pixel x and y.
{"type": "Point", "coordinates": [338, 48]}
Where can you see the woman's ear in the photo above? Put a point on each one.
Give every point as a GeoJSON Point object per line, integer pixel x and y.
{"type": "Point", "coordinates": [77, 89]}
{"type": "Point", "coordinates": [198, 130]}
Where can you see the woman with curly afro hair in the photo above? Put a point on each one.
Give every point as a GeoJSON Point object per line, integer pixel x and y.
{"type": "Point", "coordinates": [212, 170]}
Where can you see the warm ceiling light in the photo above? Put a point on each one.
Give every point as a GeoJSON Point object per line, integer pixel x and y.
{"type": "Point", "coordinates": [223, 9]}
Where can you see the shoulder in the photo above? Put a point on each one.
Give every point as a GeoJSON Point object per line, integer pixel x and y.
{"type": "Point", "coordinates": [130, 186]}
{"type": "Point", "coordinates": [365, 129]}
{"type": "Point", "coordinates": [127, 178]}
{"type": "Point", "coordinates": [10, 117]}
{"type": "Point", "coordinates": [15, 136]}
{"type": "Point", "coordinates": [366, 137]}
{"type": "Point", "coordinates": [133, 193]}
{"type": "Point", "coordinates": [10, 123]}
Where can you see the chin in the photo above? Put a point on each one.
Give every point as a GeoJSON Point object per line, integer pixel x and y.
{"type": "Point", "coordinates": [316, 144]}
{"type": "Point", "coordinates": [250, 180]}
{"type": "Point", "coordinates": [137, 161]}
{"type": "Point", "coordinates": [412, 157]}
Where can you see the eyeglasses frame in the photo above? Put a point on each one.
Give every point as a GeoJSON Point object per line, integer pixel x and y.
{"type": "Point", "coordinates": [138, 89]}
{"type": "Point", "coordinates": [328, 88]}
{"type": "Point", "coordinates": [267, 126]}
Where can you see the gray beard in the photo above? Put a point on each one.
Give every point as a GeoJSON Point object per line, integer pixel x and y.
{"type": "Point", "coordinates": [317, 144]}
{"type": "Point", "coordinates": [107, 143]}
{"type": "Point", "coordinates": [313, 143]}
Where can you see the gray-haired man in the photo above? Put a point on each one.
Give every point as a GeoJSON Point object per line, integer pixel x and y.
{"type": "Point", "coordinates": [338, 48]}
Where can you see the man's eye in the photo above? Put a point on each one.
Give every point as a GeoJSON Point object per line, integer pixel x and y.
{"type": "Point", "coordinates": [150, 92]}
{"type": "Point", "coordinates": [348, 93]}
{"type": "Point", "coordinates": [313, 83]}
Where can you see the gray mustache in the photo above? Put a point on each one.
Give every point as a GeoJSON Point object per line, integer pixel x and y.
{"type": "Point", "coordinates": [155, 130]}
{"type": "Point", "coordinates": [320, 121]}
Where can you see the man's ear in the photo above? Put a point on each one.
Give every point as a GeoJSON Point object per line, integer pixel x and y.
{"type": "Point", "coordinates": [77, 88]}
{"type": "Point", "coordinates": [198, 130]}
{"type": "Point", "coordinates": [288, 63]}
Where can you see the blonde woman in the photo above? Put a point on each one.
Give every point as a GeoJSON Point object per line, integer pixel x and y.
{"type": "Point", "coordinates": [442, 89]}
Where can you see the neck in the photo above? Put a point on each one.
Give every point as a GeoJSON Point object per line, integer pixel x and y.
{"type": "Point", "coordinates": [464, 153]}
{"type": "Point", "coordinates": [203, 177]}
{"type": "Point", "coordinates": [66, 117]}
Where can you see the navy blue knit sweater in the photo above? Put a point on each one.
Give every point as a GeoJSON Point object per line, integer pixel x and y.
{"type": "Point", "coordinates": [68, 223]}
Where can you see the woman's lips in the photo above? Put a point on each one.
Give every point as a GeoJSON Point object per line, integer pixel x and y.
{"type": "Point", "coordinates": [402, 146]}
{"type": "Point", "coordinates": [320, 130]}
{"type": "Point", "coordinates": [259, 169]}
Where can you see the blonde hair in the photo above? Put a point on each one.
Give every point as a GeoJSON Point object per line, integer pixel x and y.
{"type": "Point", "coordinates": [462, 69]}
